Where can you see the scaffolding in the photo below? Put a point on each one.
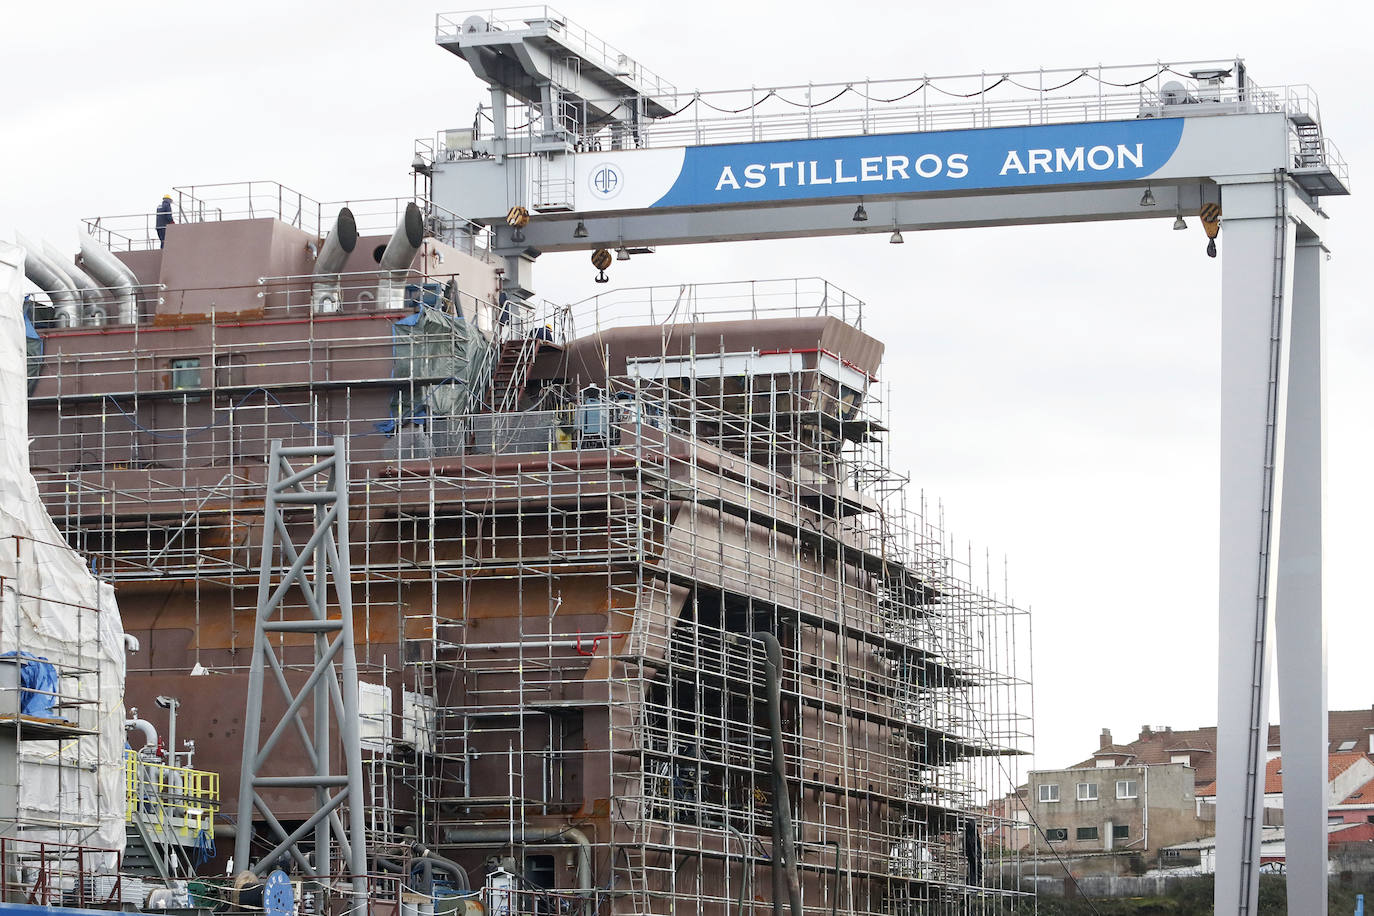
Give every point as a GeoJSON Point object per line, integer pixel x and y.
{"type": "Point", "coordinates": [560, 584]}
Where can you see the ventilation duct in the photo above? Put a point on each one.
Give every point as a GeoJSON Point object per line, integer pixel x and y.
{"type": "Point", "coordinates": [51, 279]}
{"type": "Point", "coordinates": [112, 274]}
{"type": "Point", "coordinates": [325, 295]}
{"type": "Point", "coordinates": [92, 296]}
{"type": "Point", "coordinates": [397, 257]}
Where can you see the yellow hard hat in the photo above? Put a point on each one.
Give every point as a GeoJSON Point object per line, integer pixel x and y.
{"type": "Point", "coordinates": [166, 197]}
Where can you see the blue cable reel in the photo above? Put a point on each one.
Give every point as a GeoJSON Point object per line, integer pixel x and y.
{"type": "Point", "coordinates": [278, 896]}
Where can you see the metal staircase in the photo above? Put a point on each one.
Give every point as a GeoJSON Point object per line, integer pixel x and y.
{"type": "Point", "coordinates": [141, 857]}
{"type": "Point", "coordinates": [512, 370]}
{"type": "Point", "coordinates": [1317, 166]}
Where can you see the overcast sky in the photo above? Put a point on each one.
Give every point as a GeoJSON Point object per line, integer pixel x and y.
{"type": "Point", "coordinates": [1055, 387]}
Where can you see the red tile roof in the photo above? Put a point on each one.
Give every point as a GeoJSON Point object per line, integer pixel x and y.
{"type": "Point", "coordinates": [1354, 833]}
{"type": "Point", "coordinates": [1158, 747]}
{"type": "Point", "coordinates": [1336, 764]}
{"type": "Point", "coordinates": [1363, 795]}
{"type": "Point", "coordinates": [1273, 776]}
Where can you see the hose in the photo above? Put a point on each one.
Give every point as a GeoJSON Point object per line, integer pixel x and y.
{"type": "Point", "coordinates": [784, 847]}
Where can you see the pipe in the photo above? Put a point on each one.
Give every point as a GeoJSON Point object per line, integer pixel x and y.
{"type": "Point", "coordinates": [784, 840]}
{"type": "Point", "coordinates": [50, 278]}
{"type": "Point", "coordinates": [388, 866]}
{"type": "Point", "coordinates": [430, 862]}
{"type": "Point", "coordinates": [149, 730]}
{"type": "Point", "coordinates": [338, 245]}
{"type": "Point", "coordinates": [81, 281]}
{"type": "Point", "coordinates": [170, 704]}
{"type": "Point", "coordinates": [973, 852]}
{"type": "Point", "coordinates": [746, 871]}
{"type": "Point", "coordinates": [398, 255]}
{"type": "Point", "coordinates": [835, 886]}
{"type": "Point", "coordinates": [502, 835]}
{"type": "Point", "coordinates": [113, 274]}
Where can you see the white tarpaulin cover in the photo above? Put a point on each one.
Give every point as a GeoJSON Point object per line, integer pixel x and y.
{"type": "Point", "coordinates": [52, 606]}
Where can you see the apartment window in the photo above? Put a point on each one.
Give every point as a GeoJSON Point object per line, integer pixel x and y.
{"type": "Point", "coordinates": [1087, 791]}
{"type": "Point", "coordinates": [1125, 788]}
{"type": "Point", "coordinates": [1085, 833]}
{"type": "Point", "coordinates": [231, 370]}
{"type": "Point", "coordinates": [1346, 746]}
{"type": "Point", "coordinates": [1049, 793]}
{"type": "Point", "coordinates": [185, 374]}
{"type": "Point", "coordinates": [1057, 834]}
{"type": "Point", "coordinates": [1121, 831]}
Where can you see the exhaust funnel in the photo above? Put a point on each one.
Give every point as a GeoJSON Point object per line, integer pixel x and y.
{"type": "Point", "coordinates": [326, 294]}
{"type": "Point", "coordinates": [396, 258]}
{"type": "Point", "coordinates": [50, 278]}
{"type": "Point", "coordinates": [112, 274]}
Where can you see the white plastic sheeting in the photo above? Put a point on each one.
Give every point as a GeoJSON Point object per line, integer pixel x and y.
{"type": "Point", "coordinates": [51, 605]}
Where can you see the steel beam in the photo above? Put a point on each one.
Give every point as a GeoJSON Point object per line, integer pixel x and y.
{"type": "Point", "coordinates": [547, 233]}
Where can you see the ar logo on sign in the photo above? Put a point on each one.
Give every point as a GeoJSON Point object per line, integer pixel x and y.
{"type": "Point", "coordinates": [606, 181]}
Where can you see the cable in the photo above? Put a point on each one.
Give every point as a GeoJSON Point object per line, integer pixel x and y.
{"type": "Point", "coordinates": [815, 104]}
{"type": "Point", "coordinates": [925, 84]}
{"type": "Point", "coordinates": [1062, 85]}
{"type": "Point", "coordinates": [1158, 73]}
{"type": "Point", "coordinates": [1025, 806]}
{"type": "Point", "coordinates": [970, 95]}
{"type": "Point", "coordinates": [186, 435]}
{"type": "Point", "coordinates": [204, 847]}
{"type": "Point", "coordinates": [755, 104]}
{"type": "Point", "coordinates": [904, 95]}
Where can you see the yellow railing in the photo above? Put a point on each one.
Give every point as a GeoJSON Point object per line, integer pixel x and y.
{"type": "Point", "coordinates": [176, 802]}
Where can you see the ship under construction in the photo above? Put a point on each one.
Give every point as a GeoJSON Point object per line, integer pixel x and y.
{"type": "Point", "coordinates": [643, 621]}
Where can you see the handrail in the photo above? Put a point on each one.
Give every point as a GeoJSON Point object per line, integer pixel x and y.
{"type": "Point", "coordinates": [186, 799]}
{"type": "Point", "coordinates": [448, 26]}
{"type": "Point", "coordinates": [271, 200]}
{"type": "Point", "coordinates": [925, 103]}
{"type": "Point", "coordinates": [63, 876]}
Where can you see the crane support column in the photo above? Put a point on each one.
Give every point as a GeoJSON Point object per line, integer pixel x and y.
{"type": "Point", "coordinates": [1271, 544]}
{"type": "Point", "coordinates": [1299, 622]}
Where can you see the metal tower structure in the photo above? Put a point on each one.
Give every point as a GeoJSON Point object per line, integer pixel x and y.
{"type": "Point", "coordinates": [1046, 146]}
{"type": "Point", "coordinates": [294, 583]}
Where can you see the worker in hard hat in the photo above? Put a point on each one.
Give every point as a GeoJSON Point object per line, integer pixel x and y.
{"type": "Point", "coordinates": [164, 219]}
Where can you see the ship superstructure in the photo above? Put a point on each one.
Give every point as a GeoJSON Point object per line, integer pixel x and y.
{"type": "Point", "coordinates": [587, 541]}
{"type": "Point", "coordinates": [644, 621]}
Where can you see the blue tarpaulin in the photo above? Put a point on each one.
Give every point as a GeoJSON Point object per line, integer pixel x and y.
{"type": "Point", "coordinates": [34, 348]}
{"type": "Point", "coordinates": [37, 675]}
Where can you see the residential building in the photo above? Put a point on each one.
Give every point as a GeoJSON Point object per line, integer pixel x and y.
{"type": "Point", "coordinates": [1346, 774]}
{"type": "Point", "coordinates": [1348, 731]}
{"type": "Point", "coordinates": [1346, 844]}
{"type": "Point", "coordinates": [1133, 808]}
{"type": "Point", "coordinates": [1154, 797]}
